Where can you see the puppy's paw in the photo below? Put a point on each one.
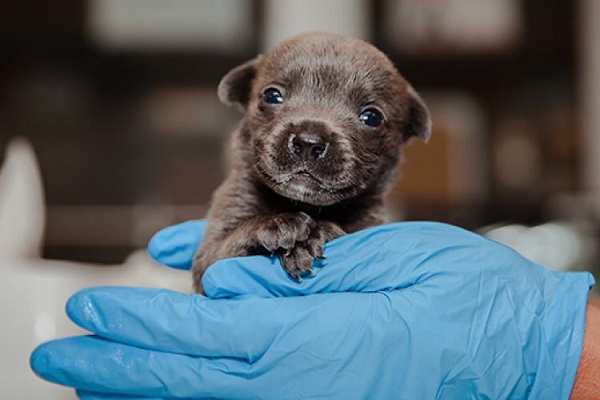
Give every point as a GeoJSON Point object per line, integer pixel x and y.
{"type": "Point", "coordinates": [282, 231]}
{"type": "Point", "coordinates": [298, 261]}
{"type": "Point", "coordinates": [323, 233]}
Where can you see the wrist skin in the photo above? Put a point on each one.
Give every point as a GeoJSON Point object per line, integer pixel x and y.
{"type": "Point", "coordinates": [587, 380]}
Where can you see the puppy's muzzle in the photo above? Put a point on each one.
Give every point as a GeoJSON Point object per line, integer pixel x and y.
{"type": "Point", "coordinates": [308, 141]}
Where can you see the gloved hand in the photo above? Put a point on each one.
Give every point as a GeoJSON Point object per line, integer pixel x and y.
{"type": "Point", "coordinates": [408, 310]}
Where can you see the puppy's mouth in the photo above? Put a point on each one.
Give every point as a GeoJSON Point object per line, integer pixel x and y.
{"type": "Point", "coordinates": [303, 178]}
{"type": "Point", "coordinates": [303, 185]}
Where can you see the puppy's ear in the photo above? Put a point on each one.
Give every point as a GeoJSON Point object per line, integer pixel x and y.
{"type": "Point", "coordinates": [418, 121]}
{"type": "Point", "coordinates": [235, 86]}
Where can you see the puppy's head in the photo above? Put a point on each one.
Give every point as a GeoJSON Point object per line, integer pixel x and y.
{"type": "Point", "coordinates": [326, 116]}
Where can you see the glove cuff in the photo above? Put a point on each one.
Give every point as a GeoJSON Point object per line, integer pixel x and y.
{"type": "Point", "coordinates": [561, 324]}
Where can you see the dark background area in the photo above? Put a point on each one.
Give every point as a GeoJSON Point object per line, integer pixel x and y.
{"type": "Point", "coordinates": [86, 112]}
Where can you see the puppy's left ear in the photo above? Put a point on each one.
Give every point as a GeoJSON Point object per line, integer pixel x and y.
{"type": "Point", "coordinates": [418, 120]}
{"type": "Point", "coordinates": [236, 85]}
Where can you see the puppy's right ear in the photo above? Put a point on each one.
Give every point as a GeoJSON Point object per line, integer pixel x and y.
{"type": "Point", "coordinates": [235, 86]}
{"type": "Point", "coordinates": [418, 119]}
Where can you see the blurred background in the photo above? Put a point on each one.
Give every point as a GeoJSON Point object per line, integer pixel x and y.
{"type": "Point", "coordinates": [117, 99]}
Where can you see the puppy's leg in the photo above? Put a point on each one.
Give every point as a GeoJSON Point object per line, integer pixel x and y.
{"type": "Point", "coordinates": [297, 258]}
{"type": "Point", "coordinates": [324, 232]}
{"type": "Point", "coordinates": [296, 238]}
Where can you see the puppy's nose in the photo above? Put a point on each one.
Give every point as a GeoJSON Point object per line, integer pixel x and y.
{"type": "Point", "coordinates": [308, 146]}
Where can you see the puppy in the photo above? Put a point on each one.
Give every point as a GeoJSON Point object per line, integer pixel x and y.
{"type": "Point", "coordinates": [325, 118]}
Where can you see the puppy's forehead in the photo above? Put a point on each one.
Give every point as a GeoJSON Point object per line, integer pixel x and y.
{"type": "Point", "coordinates": [329, 62]}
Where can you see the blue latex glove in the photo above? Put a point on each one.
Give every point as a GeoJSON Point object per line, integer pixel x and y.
{"type": "Point", "coordinates": [416, 311]}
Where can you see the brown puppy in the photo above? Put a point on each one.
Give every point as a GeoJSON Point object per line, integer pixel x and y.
{"type": "Point", "coordinates": [325, 118]}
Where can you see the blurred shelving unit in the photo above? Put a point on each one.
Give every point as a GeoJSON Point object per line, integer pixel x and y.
{"type": "Point", "coordinates": [525, 90]}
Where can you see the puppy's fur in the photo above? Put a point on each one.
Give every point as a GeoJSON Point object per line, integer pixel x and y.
{"type": "Point", "coordinates": [308, 170]}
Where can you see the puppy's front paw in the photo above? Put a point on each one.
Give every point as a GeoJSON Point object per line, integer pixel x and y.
{"type": "Point", "coordinates": [282, 231]}
{"type": "Point", "coordinates": [297, 239]}
{"type": "Point", "coordinates": [297, 261]}
{"type": "Point", "coordinates": [323, 233]}
{"type": "Point", "coordinates": [288, 236]}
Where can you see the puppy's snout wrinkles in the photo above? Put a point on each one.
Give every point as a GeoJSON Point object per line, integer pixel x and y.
{"type": "Point", "coordinates": [308, 140]}
{"type": "Point", "coordinates": [308, 146]}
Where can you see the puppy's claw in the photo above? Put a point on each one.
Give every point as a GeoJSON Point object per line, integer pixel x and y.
{"type": "Point", "coordinates": [319, 254]}
{"type": "Point", "coordinates": [306, 273]}
{"type": "Point", "coordinates": [315, 251]}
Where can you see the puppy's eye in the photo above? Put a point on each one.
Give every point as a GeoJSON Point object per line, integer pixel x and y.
{"type": "Point", "coordinates": [272, 96]}
{"type": "Point", "coordinates": [371, 117]}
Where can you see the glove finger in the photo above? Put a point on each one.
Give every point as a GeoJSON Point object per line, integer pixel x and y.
{"type": "Point", "coordinates": [176, 246]}
{"type": "Point", "coordinates": [85, 395]}
{"type": "Point", "coordinates": [93, 364]}
{"type": "Point", "coordinates": [383, 258]}
{"type": "Point", "coordinates": [194, 325]}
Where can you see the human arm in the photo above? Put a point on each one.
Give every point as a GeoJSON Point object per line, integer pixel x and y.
{"type": "Point", "coordinates": [413, 310]}
{"type": "Point", "coordinates": [587, 380]}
